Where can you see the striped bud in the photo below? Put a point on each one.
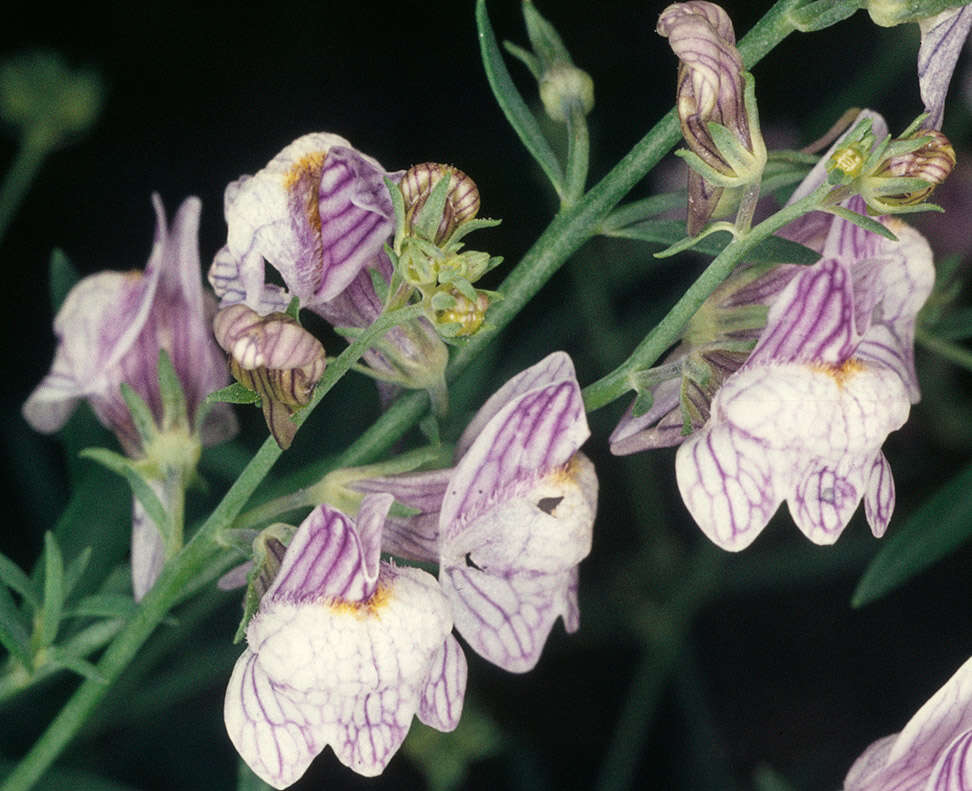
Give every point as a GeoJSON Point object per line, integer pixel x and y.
{"type": "Point", "coordinates": [276, 358]}
{"type": "Point", "coordinates": [932, 163]}
{"type": "Point", "coordinates": [462, 201]}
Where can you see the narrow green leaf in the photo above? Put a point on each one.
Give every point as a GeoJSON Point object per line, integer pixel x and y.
{"type": "Point", "coordinates": [103, 605]}
{"type": "Point", "coordinates": [14, 630]}
{"type": "Point", "coordinates": [293, 309]}
{"type": "Point", "coordinates": [142, 415]}
{"type": "Point", "coordinates": [174, 411]}
{"type": "Point", "coordinates": [140, 486]}
{"type": "Point", "coordinates": [75, 570]}
{"type": "Point", "coordinates": [511, 102]}
{"type": "Point", "coordinates": [233, 394]}
{"type": "Point", "coordinates": [426, 223]}
{"type": "Point", "coordinates": [77, 665]}
{"type": "Point", "coordinates": [14, 578]}
{"type": "Point", "coordinates": [63, 278]}
{"type": "Point", "coordinates": [937, 528]}
{"type": "Point", "coordinates": [773, 250]}
{"type": "Point", "coordinates": [53, 589]}
{"type": "Point", "coordinates": [862, 221]}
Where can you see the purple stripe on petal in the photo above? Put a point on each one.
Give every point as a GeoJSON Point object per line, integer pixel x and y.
{"type": "Point", "coordinates": [726, 479]}
{"type": "Point", "coordinates": [812, 321]}
{"type": "Point", "coordinates": [879, 496]}
{"type": "Point", "coordinates": [323, 561]}
{"type": "Point", "coordinates": [953, 770]}
{"type": "Point", "coordinates": [826, 497]}
{"type": "Point", "coordinates": [441, 704]}
{"type": "Point", "coordinates": [942, 39]}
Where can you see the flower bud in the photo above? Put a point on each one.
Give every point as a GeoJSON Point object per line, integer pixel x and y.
{"type": "Point", "coordinates": [464, 312]}
{"type": "Point", "coordinates": [932, 163]}
{"type": "Point", "coordinates": [563, 85]}
{"type": "Point", "coordinates": [276, 358]}
{"type": "Point", "coordinates": [462, 198]}
{"type": "Point", "coordinates": [888, 13]}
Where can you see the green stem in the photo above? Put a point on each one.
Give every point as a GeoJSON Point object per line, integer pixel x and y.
{"type": "Point", "coordinates": [29, 158]}
{"type": "Point", "coordinates": [578, 154]}
{"type": "Point", "coordinates": [950, 351]}
{"type": "Point", "coordinates": [666, 332]}
{"type": "Point", "coordinates": [568, 231]}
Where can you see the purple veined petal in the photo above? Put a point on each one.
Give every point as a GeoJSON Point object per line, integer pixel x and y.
{"type": "Point", "coordinates": [371, 518]}
{"type": "Point", "coordinates": [650, 430]}
{"type": "Point", "coordinates": [556, 367]}
{"type": "Point", "coordinates": [947, 714]}
{"type": "Point", "coordinates": [727, 482]}
{"type": "Point", "coordinates": [226, 276]}
{"type": "Point", "coordinates": [371, 728]}
{"type": "Point", "coordinates": [274, 735]}
{"type": "Point", "coordinates": [867, 769]}
{"type": "Point", "coordinates": [572, 615]}
{"type": "Point", "coordinates": [441, 704]}
{"type": "Point", "coordinates": [812, 320]}
{"type": "Point", "coordinates": [879, 495]}
{"type": "Point", "coordinates": [533, 434]}
{"type": "Point", "coordinates": [506, 619]}
{"type": "Point", "coordinates": [148, 548]}
{"type": "Point", "coordinates": [848, 241]}
{"type": "Point", "coordinates": [326, 559]}
{"type": "Point", "coordinates": [942, 39]}
{"type": "Point", "coordinates": [414, 537]}
{"type": "Point", "coordinates": [953, 770]}
{"type": "Point", "coordinates": [826, 495]}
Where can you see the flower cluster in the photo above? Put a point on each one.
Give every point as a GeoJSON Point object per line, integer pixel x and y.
{"type": "Point", "coordinates": [344, 649]}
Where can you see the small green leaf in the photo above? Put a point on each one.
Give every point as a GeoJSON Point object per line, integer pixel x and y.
{"type": "Point", "coordinates": [293, 309]}
{"type": "Point", "coordinates": [142, 415]}
{"type": "Point", "coordinates": [174, 411]}
{"type": "Point", "coordinates": [233, 394]}
{"type": "Point", "coordinates": [103, 605]}
{"type": "Point", "coordinates": [14, 630]}
{"type": "Point", "coordinates": [861, 221]}
{"type": "Point", "coordinates": [15, 579]}
{"type": "Point", "coordinates": [379, 284]}
{"type": "Point", "coordinates": [426, 223]}
{"type": "Point", "coordinates": [75, 570]}
{"type": "Point", "coordinates": [511, 102]}
{"type": "Point", "coordinates": [642, 403]}
{"type": "Point", "coordinates": [77, 665]}
{"type": "Point", "coordinates": [140, 486]}
{"type": "Point", "coordinates": [63, 278]}
{"type": "Point", "coordinates": [53, 590]}
{"type": "Point", "coordinates": [937, 528]}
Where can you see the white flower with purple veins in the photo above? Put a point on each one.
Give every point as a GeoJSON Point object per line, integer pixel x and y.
{"type": "Point", "coordinates": [803, 420]}
{"type": "Point", "coordinates": [932, 753]}
{"type": "Point", "coordinates": [317, 213]}
{"type": "Point", "coordinates": [110, 331]}
{"type": "Point", "coordinates": [344, 650]}
{"type": "Point", "coordinates": [515, 515]}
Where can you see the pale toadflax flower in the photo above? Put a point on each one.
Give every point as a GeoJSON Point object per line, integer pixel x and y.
{"type": "Point", "coordinates": [343, 651]}
{"type": "Point", "coordinates": [111, 329]}
{"type": "Point", "coordinates": [317, 213]}
{"type": "Point", "coordinates": [803, 420]}
{"type": "Point", "coordinates": [510, 523]}
{"type": "Point", "coordinates": [932, 753]}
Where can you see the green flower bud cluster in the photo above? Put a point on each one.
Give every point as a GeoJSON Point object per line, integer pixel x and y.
{"type": "Point", "coordinates": [895, 175]}
{"type": "Point", "coordinates": [435, 207]}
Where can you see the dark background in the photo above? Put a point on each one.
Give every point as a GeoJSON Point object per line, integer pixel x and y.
{"type": "Point", "coordinates": [777, 672]}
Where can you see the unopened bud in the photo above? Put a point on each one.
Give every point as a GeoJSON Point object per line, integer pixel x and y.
{"type": "Point", "coordinates": [274, 357]}
{"type": "Point", "coordinates": [462, 199]}
{"type": "Point", "coordinates": [464, 312]}
{"type": "Point", "coordinates": [564, 85]}
{"type": "Point", "coordinates": [933, 162]}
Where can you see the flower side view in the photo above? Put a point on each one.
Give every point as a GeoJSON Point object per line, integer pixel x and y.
{"type": "Point", "coordinates": [514, 516]}
{"type": "Point", "coordinates": [803, 420]}
{"type": "Point", "coordinates": [111, 329]}
{"type": "Point", "coordinates": [317, 213]}
{"type": "Point", "coordinates": [932, 753]}
{"type": "Point", "coordinates": [343, 650]}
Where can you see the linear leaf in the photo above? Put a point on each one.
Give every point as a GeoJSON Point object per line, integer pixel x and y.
{"type": "Point", "coordinates": [14, 578]}
{"type": "Point", "coordinates": [75, 570]}
{"type": "Point", "coordinates": [940, 525]}
{"type": "Point", "coordinates": [523, 121]}
{"type": "Point", "coordinates": [53, 589]}
{"type": "Point", "coordinates": [140, 487]}
{"type": "Point", "coordinates": [14, 630]}
{"type": "Point", "coordinates": [104, 605]}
